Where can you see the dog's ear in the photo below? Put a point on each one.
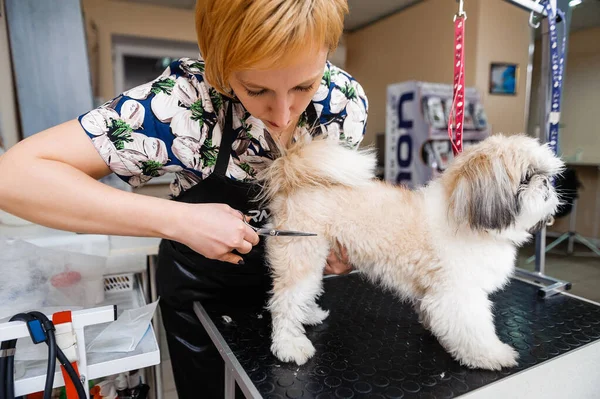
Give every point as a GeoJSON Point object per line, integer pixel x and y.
{"type": "Point", "coordinates": [482, 194]}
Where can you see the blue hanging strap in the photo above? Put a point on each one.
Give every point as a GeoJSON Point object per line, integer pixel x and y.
{"type": "Point", "coordinates": [557, 57]}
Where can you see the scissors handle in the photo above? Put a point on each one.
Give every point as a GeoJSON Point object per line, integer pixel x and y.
{"type": "Point", "coordinates": [246, 222]}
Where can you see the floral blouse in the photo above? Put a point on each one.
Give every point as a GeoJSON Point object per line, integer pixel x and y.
{"type": "Point", "coordinates": [174, 124]}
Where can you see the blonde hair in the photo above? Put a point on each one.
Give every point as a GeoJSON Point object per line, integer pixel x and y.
{"type": "Point", "coordinates": [234, 35]}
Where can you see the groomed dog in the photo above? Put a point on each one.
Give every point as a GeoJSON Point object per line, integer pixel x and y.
{"type": "Point", "coordinates": [445, 247]}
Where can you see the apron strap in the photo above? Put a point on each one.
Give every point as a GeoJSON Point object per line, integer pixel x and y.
{"type": "Point", "coordinates": [227, 140]}
{"type": "Point", "coordinates": [311, 114]}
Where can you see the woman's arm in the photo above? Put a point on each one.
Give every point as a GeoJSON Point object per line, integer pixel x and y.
{"type": "Point", "coordinates": [50, 179]}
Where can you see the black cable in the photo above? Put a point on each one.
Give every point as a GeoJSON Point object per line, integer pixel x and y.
{"type": "Point", "coordinates": [51, 369]}
{"type": "Point", "coordinates": [7, 379]}
{"type": "Point", "coordinates": [3, 375]}
{"type": "Point", "coordinates": [71, 372]}
{"type": "Point", "coordinates": [10, 383]}
{"type": "Point", "coordinates": [54, 352]}
{"type": "Point", "coordinates": [10, 360]}
{"type": "Point", "coordinates": [51, 342]}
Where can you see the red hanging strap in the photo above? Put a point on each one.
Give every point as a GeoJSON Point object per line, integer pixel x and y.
{"type": "Point", "coordinates": [457, 115]}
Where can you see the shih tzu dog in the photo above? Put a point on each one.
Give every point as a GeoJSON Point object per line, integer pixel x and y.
{"type": "Point", "coordinates": [445, 247]}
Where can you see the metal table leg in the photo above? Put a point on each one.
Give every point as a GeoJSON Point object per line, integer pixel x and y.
{"type": "Point", "coordinates": [157, 324]}
{"type": "Point", "coordinates": [229, 383]}
{"type": "Point", "coordinates": [235, 376]}
{"type": "Point", "coordinates": [552, 286]}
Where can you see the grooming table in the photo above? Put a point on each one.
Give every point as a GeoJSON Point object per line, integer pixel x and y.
{"type": "Point", "coordinates": [372, 346]}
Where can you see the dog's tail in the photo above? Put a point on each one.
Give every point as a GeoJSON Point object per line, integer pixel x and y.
{"type": "Point", "coordinates": [321, 162]}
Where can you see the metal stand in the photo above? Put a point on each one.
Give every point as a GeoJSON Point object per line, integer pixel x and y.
{"type": "Point", "coordinates": [552, 286]}
{"type": "Point", "coordinates": [157, 321]}
{"type": "Point", "coordinates": [572, 235]}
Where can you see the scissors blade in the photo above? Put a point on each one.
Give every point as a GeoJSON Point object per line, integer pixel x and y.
{"type": "Point", "coordinates": [274, 232]}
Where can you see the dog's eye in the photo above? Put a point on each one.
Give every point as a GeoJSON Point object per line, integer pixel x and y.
{"type": "Point", "coordinates": [526, 178]}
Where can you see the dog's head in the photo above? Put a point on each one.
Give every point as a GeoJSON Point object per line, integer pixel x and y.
{"type": "Point", "coordinates": [503, 183]}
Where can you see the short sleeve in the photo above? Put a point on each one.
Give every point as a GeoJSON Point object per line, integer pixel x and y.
{"type": "Point", "coordinates": [167, 125]}
{"type": "Point", "coordinates": [342, 105]}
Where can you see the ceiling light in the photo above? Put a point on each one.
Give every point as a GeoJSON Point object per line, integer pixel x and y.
{"type": "Point", "coordinates": [574, 3]}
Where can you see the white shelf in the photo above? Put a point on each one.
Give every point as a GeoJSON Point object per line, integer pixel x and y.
{"type": "Point", "coordinates": [99, 365]}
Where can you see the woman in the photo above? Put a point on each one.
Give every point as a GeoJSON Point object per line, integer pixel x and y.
{"type": "Point", "coordinates": [263, 80]}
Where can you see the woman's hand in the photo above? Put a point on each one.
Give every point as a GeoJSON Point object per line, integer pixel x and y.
{"type": "Point", "coordinates": [61, 168]}
{"type": "Point", "coordinates": [338, 265]}
{"type": "Point", "coordinates": [214, 230]}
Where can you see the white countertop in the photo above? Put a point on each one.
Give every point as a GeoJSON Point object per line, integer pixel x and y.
{"type": "Point", "coordinates": [124, 254]}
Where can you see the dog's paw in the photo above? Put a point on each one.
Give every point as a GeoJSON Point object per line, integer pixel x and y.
{"type": "Point", "coordinates": [316, 316]}
{"type": "Point", "coordinates": [293, 349]}
{"type": "Point", "coordinates": [492, 358]}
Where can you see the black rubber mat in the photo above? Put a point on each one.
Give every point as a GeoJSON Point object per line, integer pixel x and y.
{"type": "Point", "coordinates": [372, 346]}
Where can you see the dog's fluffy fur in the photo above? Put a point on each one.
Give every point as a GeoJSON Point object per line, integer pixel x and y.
{"type": "Point", "coordinates": [445, 247]}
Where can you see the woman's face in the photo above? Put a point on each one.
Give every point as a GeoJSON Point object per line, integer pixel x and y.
{"type": "Point", "coordinates": [279, 96]}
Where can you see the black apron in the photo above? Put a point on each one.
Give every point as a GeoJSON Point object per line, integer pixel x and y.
{"type": "Point", "coordinates": [184, 276]}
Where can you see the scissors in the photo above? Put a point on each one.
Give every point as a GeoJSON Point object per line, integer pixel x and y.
{"type": "Point", "coordinates": [275, 232]}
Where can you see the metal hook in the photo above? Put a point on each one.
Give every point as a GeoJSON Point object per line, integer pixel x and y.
{"type": "Point", "coordinates": [531, 16]}
{"type": "Point", "coordinates": [461, 11]}
{"type": "Point", "coordinates": [531, 24]}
